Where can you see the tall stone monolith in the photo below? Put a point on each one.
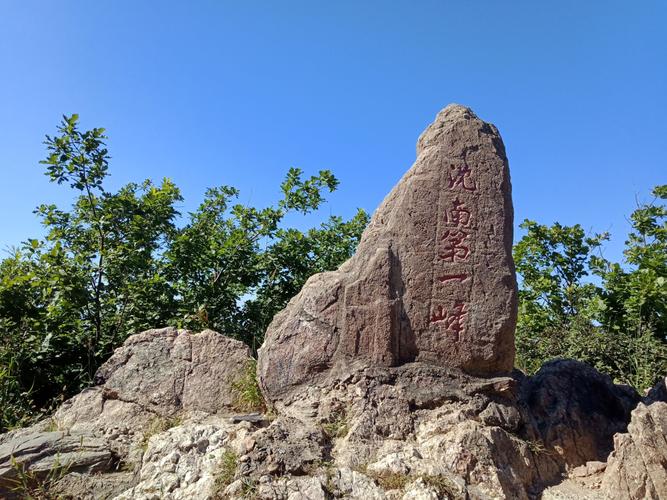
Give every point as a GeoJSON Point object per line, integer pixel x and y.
{"type": "Point", "coordinates": [432, 279]}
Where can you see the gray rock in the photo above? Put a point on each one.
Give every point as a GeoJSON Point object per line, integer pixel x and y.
{"type": "Point", "coordinates": [576, 410]}
{"type": "Point", "coordinates": [432, 280]}
{"type": "Point", "coordinates": [81, 486]}
{"type": "Point", "coordinates": [156, 380]}
{"type": "Point", "coordinates": [287, 446]}
{"type": "Point", "coordinates": [53, 454]}
{"type": "Point", "coordinates": [183, 462]}
{"type": "Point", "coordinates": [169, 370]}
{"type": "Point", "coordinates": [637, 468]}
{"type": "Point", "coordinates": [290, 488]}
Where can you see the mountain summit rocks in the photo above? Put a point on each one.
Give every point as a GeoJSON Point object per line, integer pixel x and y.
{"type": "Point", "coordinates": [433, 278]}
{"type": "Point", "coordinates": [364, 372]}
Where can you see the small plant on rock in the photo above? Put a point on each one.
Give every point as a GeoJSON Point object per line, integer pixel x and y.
{"type": "Point", "coordinates": [444, 486]}
{"type": "Point", "coordinates": [338, 427]}
{"type": "Point", "coordinates": [31, 485]}
{"type": "Point", "coordinates": [388, 480]}
{"type": "Point", "coordinates": [226, 472]}
{"type": "Point", "coordinates": [248, 396]}
{"type": "Point", "coordinates": [537, 447]}
{"type": "Point", "coordinates": [249, 488]}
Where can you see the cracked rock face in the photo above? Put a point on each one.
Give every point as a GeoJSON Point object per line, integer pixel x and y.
{"type": "Point", "coordinates": [637, 468]}
{"type": "Point", "coordinates": [157, 378]}
{"type": "Point", "coordinates": [432, 279]}
{"type": "Point", "coordinates": [177, 370]}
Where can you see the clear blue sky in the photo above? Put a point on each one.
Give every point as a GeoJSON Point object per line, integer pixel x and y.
{"type": "Point", "coordinates": [222, 92]}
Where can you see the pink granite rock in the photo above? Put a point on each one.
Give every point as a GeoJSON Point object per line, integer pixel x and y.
{"type": "Point", "coordinates": [432, 280]}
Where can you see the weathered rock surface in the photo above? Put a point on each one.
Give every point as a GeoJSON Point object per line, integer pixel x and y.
{"type": "Point", "coordinates": [417, 431]}
{"type": "Point", "coordinates": [169, 370]}
{"type": "Point", "coordinates": [383, 385]}
{"type": "Point", "coordinates": [432, 280]}
{"type": "Point", "coordinates": [43, 452]}
{"type": "Point", "coordinates": [577, 410]}
{"type": "Point", "coordinates": [427, 431]}
{"type": "Point", "coordinates": [155, 380]}
{"type": "Point", "coordinates": [637, 468]}
{"type": "Point", "coordinates": [183, 462]}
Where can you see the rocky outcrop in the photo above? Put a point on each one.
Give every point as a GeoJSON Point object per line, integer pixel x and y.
{"type": "Point", "coordinates": [432, 279]}
{"type": "Point", "coordinates": [169, 370]}
{"type": "Point", "coordinates": [388, 379]}
{"type": "Point", "coordinates": [154, 381]}
{"type": "Point", "coordinates": [427, 431]}
{"type": "Point", "coordinates": [183, 462]}
{"type": "Point", "coordinates": [42, 453]}
{"type": "Point", "coordinates": [414, 431]}
{"type": "Point", "coordinates": [576, 410]}
{"type": "Point", "coordinates": [637, 468]}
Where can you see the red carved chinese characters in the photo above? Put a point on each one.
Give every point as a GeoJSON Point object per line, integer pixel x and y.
{"type": "Point", "coordinates": [460, 177]}
{"type": "Point", "coordinates": [458, 215]}
{"type": "Point", "coordinates": [453, 320]}
{"type": "Point", "coordinates": [455, 247]}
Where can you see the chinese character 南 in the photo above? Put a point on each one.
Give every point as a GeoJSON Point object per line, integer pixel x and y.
{"type": "Point", "coordinates": [458, 215]}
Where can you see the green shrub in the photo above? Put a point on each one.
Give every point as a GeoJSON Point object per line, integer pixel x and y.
{"type": "Point", "coordinates": [248, 396]}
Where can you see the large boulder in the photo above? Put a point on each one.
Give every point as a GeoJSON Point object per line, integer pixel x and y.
{"type": "Point", "coordinates": [155, 381]}
{"type": "Point", "coordinates": [170, 370]}
{"type": "Point", "coordinates": [637, 468]}
{"type": "Point", "coordinates": [576, 410]}
{"type": "Point", "coordinates": [432, 279]}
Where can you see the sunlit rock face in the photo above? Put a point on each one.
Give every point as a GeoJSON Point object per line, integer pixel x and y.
{"type": "Point", "coordinates": [432, 280]}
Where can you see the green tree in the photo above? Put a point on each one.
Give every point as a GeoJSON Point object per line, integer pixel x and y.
{"type": "Point", "coordinates": [116, 263]}
{"type": "Point", "coordinates": [113, 239]}
{"type": "Point", "coordinates": [556, 303]}
{"type": "Point", "coordinates": [618, 325]}
{"type": "Point", "coordinates": [636, 294]}
{"type": "Point", "coordinates": [234, 266]}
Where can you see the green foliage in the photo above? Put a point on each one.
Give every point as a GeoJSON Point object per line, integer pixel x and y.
{"type": "Point", "coordinates": [16, 407]}
{"type": "Point", "coordinates": [226, 472]}
{"type": "Point", "coordinates": [618, 325]}
{"type": "Point", "coordinates": [32, 485]}
{"type": "Point", "coordinates": [636, 295]}
{"type": "Point", "coordinates": [248, 396]}
{"type": "Point", "coordinates": [117, 262]}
